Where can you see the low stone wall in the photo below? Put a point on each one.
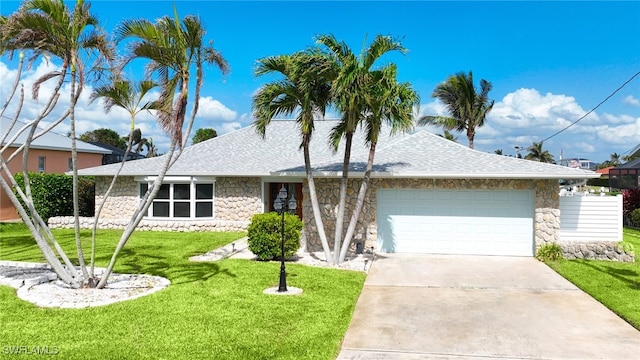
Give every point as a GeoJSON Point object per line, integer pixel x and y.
{"type": "Point", "coordinates": [601, 250]}
{"type": "Point", "coordinates": [66, 222]}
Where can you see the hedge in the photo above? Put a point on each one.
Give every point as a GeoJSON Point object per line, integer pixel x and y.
{"type": "Point", "coordinates": [53, 194]}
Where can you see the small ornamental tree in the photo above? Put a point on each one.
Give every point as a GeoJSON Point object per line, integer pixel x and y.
{"type": "Point", "coordinates": [630, 202]}
{"type": "Point", "coordinates": [265, 235]}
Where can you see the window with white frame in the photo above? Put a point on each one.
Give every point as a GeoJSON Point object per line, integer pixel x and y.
{"type": "Point", "coordinates": [188, 198]}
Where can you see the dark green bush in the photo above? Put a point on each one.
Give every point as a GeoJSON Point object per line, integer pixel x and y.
{"type": "Point", "coordinates": [53, 194]}
{"type": "Point", "coordinates": [598, 182]}
{"type": "Point", "coordinates": [87, 196]}
{"type": "Point", "coordinates": [265, 236]}
{"type": "Point", "coordinates": [635, 217]}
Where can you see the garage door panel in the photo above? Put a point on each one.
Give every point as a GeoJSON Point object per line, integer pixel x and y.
{"type": "Point", "coordinates": [456, 222]}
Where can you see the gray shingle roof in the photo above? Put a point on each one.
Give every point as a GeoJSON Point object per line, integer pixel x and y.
{"type": "Point", "coordinates": [48, 141]}
{"type": "Point", "coordinates": [422, 154]}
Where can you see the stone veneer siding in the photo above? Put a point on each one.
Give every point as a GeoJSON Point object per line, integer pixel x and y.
{"type": "Point", "coordinates": [236, 201]}
{"type": "Point", "coordinates": [546, 220]}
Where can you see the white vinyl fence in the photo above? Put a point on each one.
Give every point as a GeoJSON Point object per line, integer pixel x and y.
{"type": "Point", "coordinates": [591, 218]}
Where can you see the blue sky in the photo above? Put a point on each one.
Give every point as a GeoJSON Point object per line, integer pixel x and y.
{"type": "Point", "coordinates": [549, 62]}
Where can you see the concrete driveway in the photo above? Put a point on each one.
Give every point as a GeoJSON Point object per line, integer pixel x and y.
{"type": "Point", "coordinates": [470, 307]}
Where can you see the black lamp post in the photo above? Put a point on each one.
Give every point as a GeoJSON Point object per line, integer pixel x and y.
{"type": "Point", "coordinates": [281, 205]}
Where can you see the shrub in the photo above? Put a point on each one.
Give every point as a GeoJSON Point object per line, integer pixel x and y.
{"type": "Point", "coordinates": [53, 194]}
{"type": "Point", "coordinates": [635, 217]}
{"type": "Point", "coordinates": [549, 252]}
{"type": "Point", "coordinates": [87, 196]}
{"type": "Point", "coordinates": [265, 237]}
{"type": "Point", "coordinates": [630, 200]}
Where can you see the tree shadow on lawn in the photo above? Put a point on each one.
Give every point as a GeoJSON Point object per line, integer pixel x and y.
{"type": "Point", "coordinates": [631, 277]}
{"type": "Point", "coordinates": [141, 261]}
{"type": "Point", "coordinates": [18, 248]}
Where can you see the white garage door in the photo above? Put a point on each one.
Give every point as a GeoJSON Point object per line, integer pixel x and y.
{"type": "Point", "coordinates": [473, 222]}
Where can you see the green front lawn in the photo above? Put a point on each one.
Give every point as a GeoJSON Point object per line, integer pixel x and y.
{"type": "Point", "coordinates": [614, 284]}
{"type": "Point", "coordinates": [211, 310]}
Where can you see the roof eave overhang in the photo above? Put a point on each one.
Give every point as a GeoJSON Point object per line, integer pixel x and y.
{"type": "Point", "coordinates": [405, 175]}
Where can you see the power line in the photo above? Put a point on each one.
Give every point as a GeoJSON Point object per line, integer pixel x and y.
{"type": "Point", "coordinates": [597, 106]}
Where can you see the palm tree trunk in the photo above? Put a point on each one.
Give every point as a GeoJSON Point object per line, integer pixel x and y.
{"type": "Point", "coordinates": [74, 162]}
{"type": "Point", "coordinates": [343, 198]}
{"type": "Point", "coordinates": [47, 252]}
{"type": "Point", "coordinates": [317, 215]}
{"type": "Point", "coordinates": [140, 212]}
{"type": "Point", "coordinates": [104, 198]}
{"type": "Point", "coordinates": [359, 203]}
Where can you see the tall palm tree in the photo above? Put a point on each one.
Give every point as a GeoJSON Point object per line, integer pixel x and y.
{"type": "Point", "coordinates": [305, 91]}
{"type": "Point", "coordinates": [387, 102]}
{"type": "Point", "coordinates": [49, 28]}
{"type": "Point", "coordinates": [131, 98]}
{"type": "Point", "coordinates": [174, 50]}
{"type": "Point", "coordinates": [350, 93]}
{"type": "Point", "coordinates": [467, 107]}
{"type": "Point", "coordinates": [536, 153]}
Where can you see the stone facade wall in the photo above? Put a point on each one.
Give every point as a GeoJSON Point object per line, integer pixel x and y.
{"type": "Point", "coordinates": [546, 220]}
{"type": "Point", "coordinates": [236, 201]}
{"type": "Point", "coordinates": [123, 200]}
{"type": "Point", "coordinates": [601, 250]}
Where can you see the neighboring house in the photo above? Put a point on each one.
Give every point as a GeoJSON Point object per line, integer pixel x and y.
{"type": "Point", "coordinates": [117, 154]}
{"type": "Point", "coordinates": [50, 153]}
{"type": "Point", "coordinates": [578, 163]}
{"type": "Point", "coordinates": [625, 176]}
{"type": "Point", "coordinates": [427, 194]}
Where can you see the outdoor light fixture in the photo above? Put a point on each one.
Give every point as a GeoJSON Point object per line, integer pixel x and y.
{"type": "Point", "coordinates": [281, 205]}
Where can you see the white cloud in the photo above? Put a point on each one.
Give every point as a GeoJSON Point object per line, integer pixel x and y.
{"type": "Point", "coordinates": [91, 116]}
{"type": "Point", "coordinates": [434, 108]}
{"type": "Point", "coordinates": [229, 127]}
{"type": "Point", "coordinates": [212, 109]}
{"type": "Point", "coordinates": [583, 147]}
{"type": "Point", "coordinates": [526, 108]}
{"type": "Point", "coordinates": [621, 134]}
{"type": "Point", "coordinates": [630, 100]}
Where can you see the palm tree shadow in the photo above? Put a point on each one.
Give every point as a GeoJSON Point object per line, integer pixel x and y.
{"type": "Point", "coordinates": [628, 276]}
{"type": "Point", "coordinates": [141, 260]}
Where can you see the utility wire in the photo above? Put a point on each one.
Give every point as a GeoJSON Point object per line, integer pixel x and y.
{"type": "Point", "coordinates": [597, 106]}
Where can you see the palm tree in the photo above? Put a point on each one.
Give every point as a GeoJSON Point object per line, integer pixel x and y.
{"type": "Point", "coordinates": [498, 152]}
{"type": "Point", "coordinates": [152, 151]}
{"type": "Point", "coordinates": [390, 102]}
{"type": "Point", "coordinates": [304, 90]}
{"type": "Point", "coordinates": [536, 153]}
{"type": "Point", "coordinates": [467, 107]}
{"type": "Point", "coordinates": [174, 49]}
{"type": "Point", "coordinates": [129, 97]}
{"type": "Point", "coordinates": [615, 159]}
{"type": "Point", "coordinates": [448, 135]}
{"type": "Point", "coordinates": [49, 28]}
{"type": "Point", "coordinates": [350, 93]}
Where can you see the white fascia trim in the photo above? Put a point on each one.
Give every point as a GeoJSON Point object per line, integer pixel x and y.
{"type": "Point", "coordinates": [386, 175]}
{"type": "Point", "coordinates": [170, 179]}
